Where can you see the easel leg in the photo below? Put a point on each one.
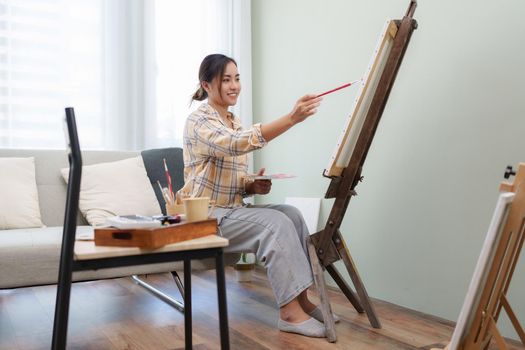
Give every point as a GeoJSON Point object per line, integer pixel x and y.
{"type": "Point", "coordinates": [500, 342]}
{"type": "Point", "coordinates": [321, 288]}
{"type": "Point", "coordinates": [358, 283]}
{"type": "Point", "coordinates": [345, 288]}
{"type": "Point", "coordinates": [513, 319]}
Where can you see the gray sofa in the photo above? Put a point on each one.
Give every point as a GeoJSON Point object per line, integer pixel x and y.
{"type": "Point", "coordinates": [30, 257]}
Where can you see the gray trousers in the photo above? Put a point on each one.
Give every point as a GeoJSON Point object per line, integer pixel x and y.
{"type": "Point", "coordinates": [277, 234]}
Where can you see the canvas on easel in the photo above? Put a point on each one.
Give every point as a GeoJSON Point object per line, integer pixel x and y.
{"type": "Point", "coordinates": [354, 123]}
{"type": "Point", "coordinates": [487, 294]}
{"type": "Point", "coordinates": [327, 246]}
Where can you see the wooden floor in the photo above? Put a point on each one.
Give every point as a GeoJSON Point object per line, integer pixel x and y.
{"type": "Point", "coordinates": [117, 314]}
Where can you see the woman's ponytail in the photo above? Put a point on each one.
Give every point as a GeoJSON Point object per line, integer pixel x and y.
{"type": "Point", "coordinates": [200, 94]}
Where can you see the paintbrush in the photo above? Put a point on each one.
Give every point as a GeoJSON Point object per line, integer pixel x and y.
{"type": "Point", "coordinates": [339, 88]}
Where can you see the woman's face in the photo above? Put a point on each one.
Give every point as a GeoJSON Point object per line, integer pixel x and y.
{"type": "Point", "coordinates": [230, 87]}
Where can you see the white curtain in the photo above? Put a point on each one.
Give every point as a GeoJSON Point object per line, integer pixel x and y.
{"type": "Point", "coordinates": [184, 35]}
{"type": "Point", "coordinates": [128, 67]}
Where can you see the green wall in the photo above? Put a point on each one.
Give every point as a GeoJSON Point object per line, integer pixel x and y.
{"type": "Point", "coordinates": [454, 120]}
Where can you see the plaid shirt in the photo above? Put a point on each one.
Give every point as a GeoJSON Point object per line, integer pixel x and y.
{"type": "Point", "coordinates": [215, 160]}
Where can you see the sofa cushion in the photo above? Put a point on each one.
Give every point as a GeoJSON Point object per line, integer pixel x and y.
{"type": "Point", "coordinates": [115, 188]}
{"type": "Point", "coordinates": [31, 256]}
{"type": "Point", "coordinates": [19, 206]}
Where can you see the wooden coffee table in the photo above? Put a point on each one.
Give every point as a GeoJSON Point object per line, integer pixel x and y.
{"type": "Point", "coordinates": [88, 256]}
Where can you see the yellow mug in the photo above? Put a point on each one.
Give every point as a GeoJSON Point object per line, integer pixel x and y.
{"type": "Point", "coordinates": [196, 209]}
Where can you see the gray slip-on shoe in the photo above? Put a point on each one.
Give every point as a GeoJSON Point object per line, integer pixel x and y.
{"type": "Point", "coordinates": [318, 315]}
{"type": "Point", "coordinates": [311, 328]}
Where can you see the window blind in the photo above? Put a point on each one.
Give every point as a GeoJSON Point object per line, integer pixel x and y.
{"type": "Point", "coordinates": [50, 58]}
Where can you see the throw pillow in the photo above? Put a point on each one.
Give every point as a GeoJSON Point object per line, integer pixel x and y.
{"type": "Point", "coordinates": [115, 188]}
{"type": "Point", "coordinates": [18, 194]}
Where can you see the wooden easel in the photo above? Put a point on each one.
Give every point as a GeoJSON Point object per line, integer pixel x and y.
{"type": "Point", "coordinates": [327, 246]}
{"type": "Point", "coordinates": [493, 298]}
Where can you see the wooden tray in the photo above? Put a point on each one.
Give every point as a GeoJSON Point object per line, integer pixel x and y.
{"type": "Point", "coordinates": [155, 237]}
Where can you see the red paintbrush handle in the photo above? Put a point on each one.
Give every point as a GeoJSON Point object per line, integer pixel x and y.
{"type": "Point", "coordinates": [338, 88]}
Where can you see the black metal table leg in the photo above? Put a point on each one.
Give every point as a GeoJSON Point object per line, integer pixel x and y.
{"type": "Point", "coordinates": [221, 291]}
{"type": "Point", "coordinates": [61, 315]}
{"type": "Point", "coordinates": [187, 304]}
{"type": "Point", "coordinates": [65, 273]}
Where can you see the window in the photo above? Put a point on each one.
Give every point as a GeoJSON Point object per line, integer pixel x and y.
{"type": "Point", "coordinates": [128, 68]}
{"type": "Point", "coordinates": [49, 57]}
{"type": "Point", "coordinates": [184, 34]}
{"type": "Point", "coordinates": [183, 37]}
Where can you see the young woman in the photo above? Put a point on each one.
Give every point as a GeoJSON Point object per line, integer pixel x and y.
{"type": "Point", "coordinates": [215, 166]}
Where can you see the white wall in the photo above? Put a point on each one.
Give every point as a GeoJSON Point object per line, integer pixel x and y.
{"type": "Point", "coordinates": [454, 120]}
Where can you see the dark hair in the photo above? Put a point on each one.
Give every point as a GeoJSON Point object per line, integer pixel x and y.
{"type": "Point", "coordinates": [212, 66]}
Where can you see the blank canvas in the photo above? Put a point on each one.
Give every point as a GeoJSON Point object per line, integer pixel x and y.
{"type": "Point", "coordinates": [309, 207]}
{"type": "Point", "coordinates": [348, 139]}
{"type": "Point", "coordinates": [483, 265]}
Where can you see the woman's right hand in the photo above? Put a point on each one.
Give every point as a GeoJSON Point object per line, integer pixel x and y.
{"type": "Point", "coordinates": [304, 108]}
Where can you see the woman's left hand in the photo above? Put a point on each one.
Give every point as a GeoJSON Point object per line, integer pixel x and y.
{"type": "Point", "coordinates": [259, 186]}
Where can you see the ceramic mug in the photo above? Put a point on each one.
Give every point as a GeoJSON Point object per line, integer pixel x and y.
{"type": "Point", "coordinates": [196, 209]}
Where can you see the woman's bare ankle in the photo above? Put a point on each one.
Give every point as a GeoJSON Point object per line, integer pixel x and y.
{"type": "Point", "coordinates": [306, 304]}
{"type": "Point", "coordinates": [293, 312]}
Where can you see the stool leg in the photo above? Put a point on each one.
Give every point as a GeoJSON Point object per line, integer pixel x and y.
{"type": "Point", "coordinates": [223, 309]}
{"type": "Point", "coordinates": [161, 295]}
{"type": "Point", "coordinates": [187, 304]}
